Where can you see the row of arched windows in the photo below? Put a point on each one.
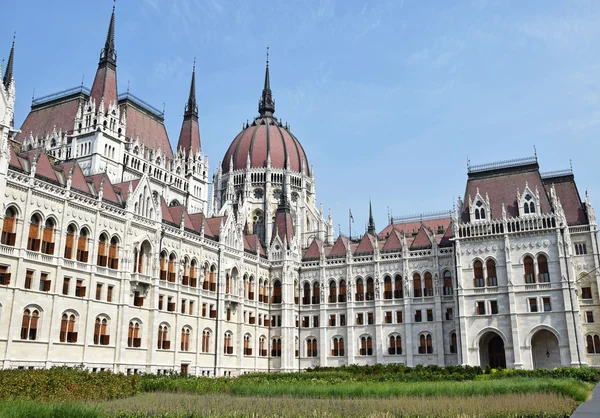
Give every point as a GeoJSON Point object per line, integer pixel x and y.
{"type": "Point", "coordinates": [488, 276]}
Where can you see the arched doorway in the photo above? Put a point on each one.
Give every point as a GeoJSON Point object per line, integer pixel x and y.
{"type": "Point", "coordinates": [491, 351]}
{"type": "Point", "coordinates": [545, 350]}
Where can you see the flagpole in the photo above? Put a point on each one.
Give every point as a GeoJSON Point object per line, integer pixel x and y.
{"type": "Point", "coordinates": [350, 223]}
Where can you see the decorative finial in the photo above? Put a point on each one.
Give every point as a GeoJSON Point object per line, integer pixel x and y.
{"type": "Point", "coordinates": [82, 77]}
{"type": "Point", "coordinates": [128, 81]}
{"type": "Point", "coordinates": [267, 55]}
{"type": "Point", "coordinates": [535, 153]}
{"type": "Point", "coordinates": [266, 104]}
{"type": "Point", "coordinates": [571, 164]}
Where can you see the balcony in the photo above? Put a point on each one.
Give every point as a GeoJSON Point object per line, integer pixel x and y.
{"type": "Point", "coordinates": [359, 297]}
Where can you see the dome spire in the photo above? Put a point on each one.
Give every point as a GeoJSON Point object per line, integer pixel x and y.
{"type": "Point", "coordinates": [266, 104]}
{"type": "Point", "coordinates": [8, 75]}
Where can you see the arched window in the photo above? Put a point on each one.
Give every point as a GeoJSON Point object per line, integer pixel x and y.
{"type": "Point", "coordinates": [185, 280]}
{"type": "Point", "coordinates": [453, 344]}
{"type": "Point", "coordinates": [342, 295]}
{"type": "Point", "coordinates": [316, 299]}
{"type": "Point", "coordinates": [33, 241]}
{"type": "Point", "coordinates": [276, 347]}
{"type": "Point", "coordinates": [227, 343]}
{"type": "Point", "coordinates": [593, 344]}
{"type": "Point", "coordinates": [247, 346]}
{"type": "Point", "coordinates": [366, 346]}
{"type": "Point", "coordinates": [260, 290]}
{"type": "Point", "coordinates": [185, 338]}
{"type": "Point", "coordinates": [113, 260]}
{"type": "Point", "coordinates": [8, 227]}
{"type": "Point", "coordinates": [101, 336]}
{"type": "Point", "coordinates": [529, 272]}
{"type": "Point", "coordinates": [277, 291]}
{"type": "Point", "coordinates": [68, 332]}
{"type": "Point", "coordinates": [163, 337]}
{"type": "Point", "coordinates": [370, 289]}
{"type": "Point", "coordinates": [82, 251]}
{"type": "Point", "coordinates": [262, 351]}
{"type": "Point", "coordinates": [360, 290]}
{"type": "Point", "coordinates": [425, 344]}
{"type": "Point", "coordinates": [213, 280]}
{"type": "Point", "coordinates": [251, 288]}
{"type": "Point", "coordinates": [306, 294]}
{"type": "Point", "coordinates": [29, 324]}
{"type": "Point", "coordinates": [492, 278]}
{"type": "Point", "coordinates": [395, 347]}
{"type": "Point", "coordinates": [478, 279]}
{"type": "Point", "coordinates": [338, 347]}
{"type": "Point", "coordinates": [266, 292]}
{"type": "Point", "coordinates": [311, 347]}
{"type": "Point", "coordinates": [48, 237]}
{"type": "Point", "coordinates": [102, 257]}
{"type": "Point", "coordinates": [428, 284]}
{"type": "Point", "coordinates": [387, 287]}
{"type": "Point", "coordinates": [206, 341]}
{"type": "Point", "coordinates": [227, 283]}
{"type": "Point", "coordinates": [417, 289]}
{"type": "Point", "coordinates": [171, 269]}
{"type": "Point", "coordinates": [143, 257]}
{"type": "Point", "coordinates": [544, 275]}
{"type": "Point", "coordinates": [332, 292]}
{"type": "Point", "coordinates": [448, 288]}
{"type": "Point", "coordinates": [398, 290]}
{"type": "Point", "coordinates": [133, 335]}
{"type": "Point", "coordinates": [163, 266]}
{"type": "Point", "coordinates": [193, 274]}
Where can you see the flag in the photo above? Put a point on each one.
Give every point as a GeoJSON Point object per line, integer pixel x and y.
{"type": "Point", "coordinates": [351, 217]}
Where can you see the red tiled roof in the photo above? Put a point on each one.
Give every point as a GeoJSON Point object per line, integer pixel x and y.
{"type": "Point", "coordinates": [283, 226]}
{"type": "Point", "coordinates": [258, 139]}
{"type": "Point", "coordinates": [176, 212]}
{"type": "Point", "coordinates": [78, 181]}
{"type": "Point", "coordinates": [124, 187]}
{"type": "Point", "coordinates": [502, 188]}
{"type": "Point", "coordinates": [566, 191]}
{"type": "Point", "coordinates": [393, 242]}
{"type": "Point", "coordinates": [17, 162]}
{"type": "Point", "coordinates": [43, 166]}
{"type": "Point", "coordinates": [108, 193]}
{"type": "Point", "coordinates": [412, 228]}
{"type": "Point", "coordinates": [42, 121]}
{"type": "Point", "coordinates": [366, 245]}
{"type": "Point", "coordinates": [339, 247]}
{"type": "Point", "coordinates": [422, 240]}
{"type": "Point", "coordinates": [151, 131]}
{"type": "Point", "coordinates": [189, 137]}
{"type": "Point", "coordinates": [105, 85]}
{"type": "Point", "coordinates": [166, 214]}
{"type": "Point", "coordinates": [445, 240]}
{"type": "Point", "coordinates": [252, 244]}
{"type": "Point", "coordinates": [197, 219]}
{"type": "Point", "coordinates": [214, 226]}
{"type": "Point", "coordinates": [314, 250]}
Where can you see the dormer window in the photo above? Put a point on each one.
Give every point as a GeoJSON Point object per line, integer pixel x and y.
{"type": "Point", "coordinates": [529, 205]}
{"type": "Point", "coordinates": [479, 210]}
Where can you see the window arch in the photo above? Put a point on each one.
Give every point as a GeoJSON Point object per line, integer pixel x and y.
{"type": "Point", "coordinates": [260, 290]}
{"type": "Point", "coordinates": [370, 295]}
{"type": "Point", "coordinates": [163, 265]}
{"type": "Point", "coordinates": [102, 256]}
{"type": "Point", "coordinates": [311, 347]}
{"type": "Point", "coordinates": [316, 298]}
{"type": "Point", "coordinates": [395, 345]}
{"type": "Point", "coordinates": [113, 258]}
{"type": "Point", "coordinates": [277, 292]}
{"type": "Point", "coordinates": [185, 280]}
{"type": "Point", "coordinates": [478, 279]}
{"type": "Point", "coordinates": [453, 343]}
{"type": "Point", "coordinates": [337, 349]}
{"type": "Point", "coordinates": [342, 295]}
{"type": "Point", "coordinates": [212, 282]}
{"type": "Point", "coordinates": [332, 291]}
{"type": "Point", "coordinates": [133, 334]}
{"type": "Point", "coordinates": [428, 284]}
{"type": "Point", "coordinates": [262, 350]}
{"type": "Point", "coordinates": [448, 287]}
{"type": "Point", "coordinates": [82, 251]}
{"type": "Point", "coordinates": [425, 344]}
{"type": "Point", "coordinates": [70, 241]}
{"type": "Point", "coordinates": [593, 344]}
{"type": "Point", "coordinates": [366, 345]}
{"type": "Point", "coordinates": [48, 237]}
{"type": "Point", "coordinates": [163, 337]}
{"type": "Point", "coordinates": [360, 290]}
{"type": "Point", "coordinates": [417, 289]}
{"type": "Point", "coordinates": [228, 343]}
{"type": "Point", "coordinates": [387, 288]}
{"type": "Point", "coordinates": [398, 290]}
{"type": "Point", "coordinates": [306, 294]}
{"type": "Point", "coordinates": [171, 268]}
{"type": "Point", "coordinates": [247, 346]}
{"type": "Point", "coordinates": [251, 288]}
{"type": "Point", "coordinates": [68, 328]}
{"type": "Point", "coordinates": [186, 331]}
{"type": "Point", "coordinates": [206, 340]}
{"type": "Point", "coordinates": [490, 267]}
{"type": "Point", "coordinates": [543, 274]}
{"type": "Point", "coordinates": [33, 239]}
{"type": "Point", "coordinates": [276, 347]}
{"type": "Point", "coordinates": [528, 270]}
{"type": "Point", "coordinates": [101, 335]}
{"type": "Point", "coordinates": [29, 324]}
{"type": "Point", "coordinates": [9, 226]}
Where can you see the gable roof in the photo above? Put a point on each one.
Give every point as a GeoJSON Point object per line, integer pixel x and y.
{"type": "Point", "coordinates": [421, 241]}
{"type": "Point", "coordinates": [313, 251]}
{"type": "Point", "coordinates": [567, 193]}
{"type": "Point", "coordinates": [366, 245]}
{"type": "Point", "coordinates": [393, 242]}
{"type": "Point", "coordinates": [339, 247]}
{"type": "Point", "coordinates": [108, 192]}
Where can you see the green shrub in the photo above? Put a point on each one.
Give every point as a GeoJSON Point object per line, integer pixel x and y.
{"type": "Point", "coordinates": [28, 409]}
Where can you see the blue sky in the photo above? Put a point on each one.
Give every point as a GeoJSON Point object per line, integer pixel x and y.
{"type": "Point", "coordinates": [389, 98]}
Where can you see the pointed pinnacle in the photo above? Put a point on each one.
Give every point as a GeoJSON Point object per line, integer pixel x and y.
{"type": "Point", "coordinates": [191, 104]}
{"type": "Point", "coordinates": [8, 74]}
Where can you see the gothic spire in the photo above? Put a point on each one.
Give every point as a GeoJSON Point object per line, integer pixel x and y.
{"type": "Point", "coordinates": [189, 137]}
{"type": "Point", "coordinates": [192, 107]}
{"type": "Point", "coordinates": [8, 74]}
{"type": "Point", "coordinates": [108, 54]}
{"type": "Point", "coordinates": [266, 104]}
{"type": "Point", "coordinates": [371, 227]}
{"type": "Point", "coordinates": [105, 81]}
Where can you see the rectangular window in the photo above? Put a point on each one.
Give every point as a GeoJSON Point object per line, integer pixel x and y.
{"type": "Point", "coordinates": [79, 288]}
{"type": "Point", "coordinates": [137, 299]}
{"type": "Point", "coordinates": [4, 276]}
{"type": "Point", "coordinates": [370, 319]}
{"type": "Point", "coordinates": [547, 304]}
{"type": "Point", "coordinates": [493, 281]}
{"type": "Point", "coordinates": [66, 282]}
{"type": "Point", "coordinates": [109, 294]}
{"type": "Point", "coordinates": [170, 304]}
{"type": "Point", "coordinates": [429, 315]}
{"type": "Point", "coordinates": [418, 316]}
{"type": "Point", "coordinates": [589, 317]}
{"type": "Point", "coordinates": [213, 312]}
{"type": "Point", "coordinates": [580, 248]}
{"type": "Point", "coordinates": [388, 317]}
{"type": "Point", "coordinates": [533, 305]}
{"type": "Point", "coordinates": [305, 322]}
{"type": "Point", "coordinates": [359, 319]}
{"type": "Point", "coordinates": [586, 293]}
{"type": "Point", "coordinates": [479, 282]}
{"type": "Point", "coordinates": [98, 291]}
{"type": "Point", "coordinates": [494, 307]}
{"type": "Point", "coordinates": [28, 279]}
{"type": "Point", "coordinates": [203, 310]}
{"type": "Point", "coordinates": [480, 308]}
{"type": "Point", "coordinates": [228, 314]}
{"type": "Point", "coordinates": [449, 314]}
{"type": "Point", "coordinates": [160, 302]}
{"type": "Point", "coordinates": [332, 320]}
{"type": "Point", "coordinates": [44, 282]}
{"type": "Point", "coordinates": [316, 321]}
{"type": "Point", "coordinates": [399, 318]}
{"type": "Point", "coordinates": [191, 307]}
{"type": "Point", "coordinates": [343, 320]}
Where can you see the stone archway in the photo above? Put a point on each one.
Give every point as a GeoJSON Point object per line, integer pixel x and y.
{"type": "Point", "coordinates": [545, 350]}
{"type": "Point", "coordinates": [491, 350]}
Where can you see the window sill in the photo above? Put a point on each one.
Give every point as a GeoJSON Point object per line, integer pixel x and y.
{"type": "Point", "coordinates": [102, 346]}
{"type": "Point", "coordinates": [18, 340]}
{"type": "Point", "coordinates": [70, 344]}
{"type": "Point", "coordinates": [131, 348]}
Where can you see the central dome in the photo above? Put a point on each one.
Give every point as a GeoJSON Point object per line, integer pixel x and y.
{"type": "Point", "coordinates": [264, 136]}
